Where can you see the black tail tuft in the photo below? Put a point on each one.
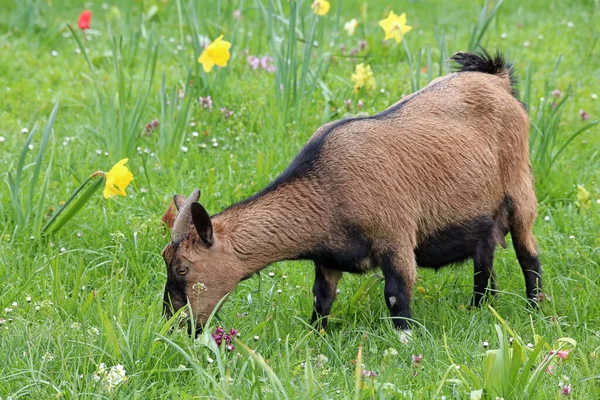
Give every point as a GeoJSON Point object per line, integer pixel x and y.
{"type": "Point", "coordinates": [482, 61]}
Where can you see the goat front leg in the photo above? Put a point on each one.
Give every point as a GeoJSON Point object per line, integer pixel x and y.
{"type": "Point", "coordinates": [324, 291]}
{"type": "Point", "coordinates": [400, 272]}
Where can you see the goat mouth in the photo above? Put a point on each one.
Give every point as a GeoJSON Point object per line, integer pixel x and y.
{"type": "Point", "coordinates": [194, 332]}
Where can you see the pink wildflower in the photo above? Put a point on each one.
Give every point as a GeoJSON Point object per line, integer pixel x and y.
{"type": "Point", "coordinates": [549, 369]}
{"type": "Point", "coordinates": [226, 112]}
{"type": "Point", "coordinates": [348, 104]}
{"type": "Point", "coordinates": [557, 93]}
{"type": "Point", "coordinates": [566, 390]}
{"type": "Point", "coordinates": [584, 115]}
{"type": "Point", "coordinates": [362, 44]}
{"type": "Point", "coordinates": [151, 126]}
{"type": "Point", "coordinates": [206, 102]}
{"type": "Point", "coordinates": [237, 14]}
{"type": "Point", "coordinates": [266, 63]}
{"type": "Point", "coordinates": [360, 104]}
{"type": "Point", "coordinates": [369, 374]}
{"type": "Point", "coordinates": [254, 62]}
{"type": "Point", "coordinates": [219, 336]}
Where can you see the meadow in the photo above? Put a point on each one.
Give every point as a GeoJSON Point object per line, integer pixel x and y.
{"type": "Point", "coordinates": [81, 303]}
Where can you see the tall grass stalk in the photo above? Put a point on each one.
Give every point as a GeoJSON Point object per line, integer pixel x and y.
{"type": "Point", "coordinates": [174, 115]}
{"type": "Point", "coordinates": [122, 108]}
{"type": "Point", "coordinates": [483, 23]}
{"type": "Point", "coordinates": [28, 201]}
{"type": "Point", "coordinates": [547, 142]}
{"type": "Point", "coordinates": [294, 41]}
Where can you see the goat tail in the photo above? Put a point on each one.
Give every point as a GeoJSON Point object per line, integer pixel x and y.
{"type": "Point", "coordinates": [482, 61]}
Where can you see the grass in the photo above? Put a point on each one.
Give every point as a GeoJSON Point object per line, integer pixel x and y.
{"type": "Point", "coordinates": [96, 286]}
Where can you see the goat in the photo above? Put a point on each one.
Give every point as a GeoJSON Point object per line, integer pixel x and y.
{"type": "Point", "coordinates": [439, 177]}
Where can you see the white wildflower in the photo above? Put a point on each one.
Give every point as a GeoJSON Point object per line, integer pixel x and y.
{"type": "Point", "coordinates": [391, 352]}
{"type": "Point", "coordinates": [350, 26]}
{"type": "Point", "coordinates": [110, 378]}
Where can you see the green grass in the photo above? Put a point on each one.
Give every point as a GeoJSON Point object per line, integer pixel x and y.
{"type": "Point", "coordinates": [103, 271]}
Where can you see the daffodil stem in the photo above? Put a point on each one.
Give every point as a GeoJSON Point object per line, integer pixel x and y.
{"type": "Point", "coordinates": [67, 217]}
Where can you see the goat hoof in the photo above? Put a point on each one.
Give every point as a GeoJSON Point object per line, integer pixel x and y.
{"type": "Point", "coordinates": [405, 336]}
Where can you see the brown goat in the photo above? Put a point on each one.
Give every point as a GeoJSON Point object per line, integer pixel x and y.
{"type": "Point", "coordinates": [439, 177]}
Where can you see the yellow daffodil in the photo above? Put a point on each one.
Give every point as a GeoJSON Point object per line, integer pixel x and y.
{"type": "Point", "coordinates": [117, 180]}
{"type": "Point", "coordinates": [363, 78]}
{"type": "Point", "coordinates": [216, 53]}
{"type": "Point", "coordinates": [350, 26]}
{"type": "Point", "coordinates": [394, 26]}
{"type": "Point", "coordinates": [584, 199]}
{"type": "Point", "coordinates": [320, 7]}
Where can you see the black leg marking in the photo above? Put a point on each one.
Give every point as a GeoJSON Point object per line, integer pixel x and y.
{"type": "Point", "coordinates": [530, 265]}
{"type": "Point", "coordinates": [398, 290]}
{"type": "Point", "coordinates": [483, 262]}
{"type": "Point", "coordinates": [324, 291]}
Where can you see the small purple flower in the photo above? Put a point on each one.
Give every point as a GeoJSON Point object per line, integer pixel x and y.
{"type": "Point", "coordinates": [206, 102]}
{"type": "Point", "coordinates": [265, 61]}
{"type": "Point", "coordinates": [227, 113]}
{"type": "Point", "coordinates": [151, 126]}
{"type": "Point", "coordinates": [566, 390]}
{"type": "Point", "coordinates": [233, 332]}
{"type": "Point", "coordinates": [230, 347]}
{"type": "Point", "coordinates": [354, 51]}
{"type": "Point", "coordinates": [254, 62]}
{"type": "Point", "coordinates": [416, 360]}
{"type": "Point", "coordinates": [348, 104]}
{"type": "Point", "coordinates": [362, 44]}
{"type": "Point", "coordinates": [342, 48]}
{"type": "Point", "coordinates": [360, 104]}
{"type": "Point", "coordinates": [369, 374]}
{"type": "Point", "coordinates": [584, 115]}
{"type": "Point", "coordinates": [557, 93]}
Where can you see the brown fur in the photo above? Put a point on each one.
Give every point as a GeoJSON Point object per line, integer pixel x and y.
{"type": "Point", "coordinates": [449, 154]}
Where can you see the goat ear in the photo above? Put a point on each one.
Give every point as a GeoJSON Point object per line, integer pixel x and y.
{"type": "Point", "coordinates": [178, 200]}
{"type": "Point", "coordinates": [202, 223]}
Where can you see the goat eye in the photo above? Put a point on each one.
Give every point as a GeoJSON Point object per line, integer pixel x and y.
{"type": "Point", "coordinates": [182, 271]}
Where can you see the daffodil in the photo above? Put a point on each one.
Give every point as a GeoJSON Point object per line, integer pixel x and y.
{"type": "Point", "coordinates": [394, 26]}
{"type": "Point", "coordinates": [117, 180]}
{"type": "Point", "coordinates": [216, 53]}
{"type": "Point", "coordinates": [363, 78]}
{"type": "Point", "coordinates": [350, 26]}
{"type": "Point", "coordinates": [320, 7]}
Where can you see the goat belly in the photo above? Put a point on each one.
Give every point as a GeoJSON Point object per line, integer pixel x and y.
{"type": "Point", "coordinates": [453, 244]}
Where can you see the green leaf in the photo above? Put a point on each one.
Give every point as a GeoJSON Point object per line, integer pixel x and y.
{"type": "Point", "coordinates": [76, 207]}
